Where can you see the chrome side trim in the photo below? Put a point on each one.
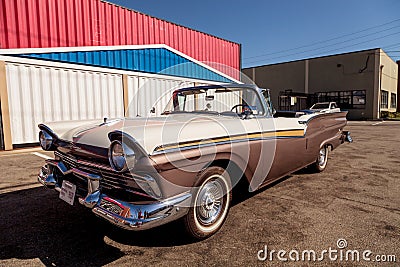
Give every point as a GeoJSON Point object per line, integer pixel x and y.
{"type": "Point", "coordinates": [336, 137]}
{"type": "Point", "coordinates": [177, 147]}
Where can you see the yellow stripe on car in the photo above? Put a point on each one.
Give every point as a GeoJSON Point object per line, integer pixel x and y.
{"type": "Point", "coordinates": [285, 133]}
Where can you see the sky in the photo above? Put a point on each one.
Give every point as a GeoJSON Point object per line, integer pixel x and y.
{"type": "Point", "coordinates": [286, 30]}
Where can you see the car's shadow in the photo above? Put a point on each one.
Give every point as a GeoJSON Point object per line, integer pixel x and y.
{"type": "Point", "coordinates": [36, 224]}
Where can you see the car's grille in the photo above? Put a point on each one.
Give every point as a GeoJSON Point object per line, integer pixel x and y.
{"type": "Point", "coordinates": [112, 183]}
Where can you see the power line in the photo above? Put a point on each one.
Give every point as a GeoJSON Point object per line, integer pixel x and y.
{"type": "Point", "coordinates": [392, 46]}
{"type": "Point", "coordinates": [319, 48]}
{"type": "Point", "coordinates": [310, 50]}
{"type": "Point", "coordinates": [360, 43]}
{"type": "Point", "coordinates": [325, 41]}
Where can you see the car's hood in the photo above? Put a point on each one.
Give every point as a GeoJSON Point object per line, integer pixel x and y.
{"type": "Point", "coordinates": [157, 131]}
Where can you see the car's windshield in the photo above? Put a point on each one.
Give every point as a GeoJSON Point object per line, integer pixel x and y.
{"type": "Point", "coordinates": [224, 101]}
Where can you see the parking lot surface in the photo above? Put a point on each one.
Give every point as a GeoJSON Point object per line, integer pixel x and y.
{"type": "Point", "coordinates": [356, 199]}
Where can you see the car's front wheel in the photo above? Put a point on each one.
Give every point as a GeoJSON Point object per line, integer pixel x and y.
{"type": "Point", "coordinates": [212, 198]}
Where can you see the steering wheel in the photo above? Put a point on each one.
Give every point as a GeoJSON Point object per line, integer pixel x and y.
{"type": "Point", "coordinates": [235, 107]}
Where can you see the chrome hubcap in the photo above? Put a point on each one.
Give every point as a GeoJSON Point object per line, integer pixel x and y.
{"type": "Point", "coordinates": [209, 202]}
{"type": "Point", "coordinates": [322, 156]}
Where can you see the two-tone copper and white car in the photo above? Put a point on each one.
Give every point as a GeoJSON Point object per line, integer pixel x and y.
{"type": "Point", "coordinates": [139, 173]}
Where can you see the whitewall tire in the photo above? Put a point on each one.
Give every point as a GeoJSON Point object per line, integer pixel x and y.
{"type": "Point", "coordinates": [211, 201]}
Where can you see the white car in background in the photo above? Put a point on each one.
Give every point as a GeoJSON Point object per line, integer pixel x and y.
{"type": "Point", "coordinates": [325, 107]}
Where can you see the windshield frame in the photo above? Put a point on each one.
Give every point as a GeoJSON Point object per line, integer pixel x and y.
{"type": "Point", "coordinates": [204, 89]}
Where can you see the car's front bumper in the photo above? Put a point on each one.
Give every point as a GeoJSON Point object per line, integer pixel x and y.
{"type": "Point", "coordinates": [128, 215]}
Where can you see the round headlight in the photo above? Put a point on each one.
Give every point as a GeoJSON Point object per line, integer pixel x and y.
{"type": "Point", "coordinates": [46, 140]}
{"type": "Point", "coordinates": [116, 156]}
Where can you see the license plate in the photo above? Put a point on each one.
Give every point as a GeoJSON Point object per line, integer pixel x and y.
{"type": "Point", "coordinates": [67, 192]}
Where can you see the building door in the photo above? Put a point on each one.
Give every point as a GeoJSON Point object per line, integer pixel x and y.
{"type": "Point", "coordinates": [293, 101]}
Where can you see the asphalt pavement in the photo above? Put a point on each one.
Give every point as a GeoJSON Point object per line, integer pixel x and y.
{"type": "Point", "coordinates": [353, 205]}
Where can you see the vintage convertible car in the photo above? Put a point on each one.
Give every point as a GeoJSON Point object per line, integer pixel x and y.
{"type": "Point", "coordinates": [138, 173]}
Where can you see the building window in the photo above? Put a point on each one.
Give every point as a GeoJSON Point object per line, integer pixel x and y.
{"type": "Point", "coordinates": [355, 99]}
{"type": "Point", "coordinates": [393, 100]}
{"type": "Point", "coordinates": [359, 99]}
{"type": "Point", "coordinates": [384, 99]}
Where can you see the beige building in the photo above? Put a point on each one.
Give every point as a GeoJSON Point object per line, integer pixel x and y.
{"type": "Point", "coordinates": [364, 82]}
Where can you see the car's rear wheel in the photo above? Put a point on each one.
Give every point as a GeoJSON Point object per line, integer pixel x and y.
{"type": "Point", "coordinates": [212, 198]}
{"type": "Point", "coordinates": [322, 159]}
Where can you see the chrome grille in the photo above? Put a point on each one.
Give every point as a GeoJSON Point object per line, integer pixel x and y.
{"type": "Point", "coordinates": [111, 180]}
{"type": "Point", "coordinates": [74, 162]}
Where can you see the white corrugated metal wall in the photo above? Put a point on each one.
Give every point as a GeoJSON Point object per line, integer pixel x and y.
{"type": "Point", "coordinates": [144, 93]}
{"type": "Point", "coordinates": [39, 94]}
{"type": "Point", "coordinates": [41, 91]}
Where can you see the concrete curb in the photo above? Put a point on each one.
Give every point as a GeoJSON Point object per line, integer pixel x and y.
{"type": "Point", "coordinates": [20, 151]}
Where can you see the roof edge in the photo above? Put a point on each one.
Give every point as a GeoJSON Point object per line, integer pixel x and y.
{"type": "Point", "coordinates": [299, 60]}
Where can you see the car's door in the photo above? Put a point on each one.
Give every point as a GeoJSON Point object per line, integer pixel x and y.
{"type": "Point", "coordinates": [279, 150]}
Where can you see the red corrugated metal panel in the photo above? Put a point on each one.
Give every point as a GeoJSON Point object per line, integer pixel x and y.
{"type": "Point", "coordinates": [22, 25]}
{"type": "Point", "coordinates": [102, 25]}
{"type": "Point", "coordinates": [93, 13]}
{"type": "Point", "coordinates": [32, 24]}
{"type": "Point", "coordinates": [134, 34]}
{"type": "Point", "coordinates": [71, 22]}
{"type": "Point", "coordinates": [160, 32]}
{"type": "Point", "coordinates": [52, 34]}
{"type": "Point", "coordinates": [128, 27]}
{"type": "Point", "coordinates": [156, 25]}
{"type": "Point", "coordinates": [193, 43]}
{"type": "Point", "coordinates": [114, 26]}
{"type": "Point", "coordinates": [85, 23]}
{"type": "Point", "coordinates": [58, 23]}
{"type": "Point", "coordinates": [167, 34]}
{"type": "Point", "coordinates": [140, 38]}
{"type": "Point", "coordinates": [122, 26]}
{"type": "Point", "coordinates": [78, 23]}
{"type": "Point", "coordinates": [108, 24]}
{"type": "Point", "coordinates": [196, 46]}
{"type": "Point", "coordinates": [3, 25]}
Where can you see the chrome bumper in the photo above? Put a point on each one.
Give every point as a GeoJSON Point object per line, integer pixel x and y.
{"type": "Point", "coordinates": [130, 216]}
{"type": "Point", "coordinates": [346, 137]}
